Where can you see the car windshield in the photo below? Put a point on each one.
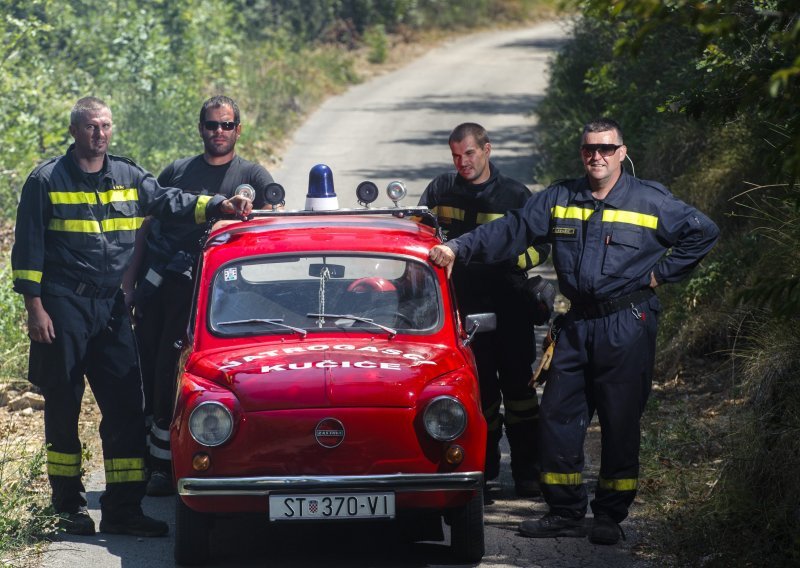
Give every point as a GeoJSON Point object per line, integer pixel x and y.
{"type": "Point", "coordinates": [324, 292]}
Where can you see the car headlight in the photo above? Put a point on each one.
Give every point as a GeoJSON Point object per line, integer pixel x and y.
{"type": "Point", "coordinates": [445, 418]}
{"type": "Point", "coordinates": [211, 424]}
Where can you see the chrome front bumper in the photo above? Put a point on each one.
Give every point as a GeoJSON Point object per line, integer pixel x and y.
{"type": "Point", "coordinates": [397, 482]}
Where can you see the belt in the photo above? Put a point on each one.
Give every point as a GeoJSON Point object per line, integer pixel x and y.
{"type": "Point", "coordinates": [85, 289]}
{"type": "Point", "coordinates": [601, 309]}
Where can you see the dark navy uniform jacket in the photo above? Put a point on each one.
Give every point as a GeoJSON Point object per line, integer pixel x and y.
{"type": "Point", "coordinates": [601, 249]}
{"type": "Point", "coordinates": [460, 206]}
{"type": "Point", "coordinates": [82, 227]}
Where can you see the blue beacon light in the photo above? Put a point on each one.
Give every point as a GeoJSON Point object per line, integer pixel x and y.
{"type": "Point", "coordinates": [321, 196]}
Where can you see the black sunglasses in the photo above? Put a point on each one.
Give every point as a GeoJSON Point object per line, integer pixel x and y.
{"type": "Point", "coordinates": [605, 150]}
{"type": "Point", "coordinates": [214, 124]}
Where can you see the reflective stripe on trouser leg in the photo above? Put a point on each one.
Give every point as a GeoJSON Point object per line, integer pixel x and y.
{"type": "Point", "coordinates": [64, 465]}
{"type": "Point", "coordinates": [160, 456]}
{"type": "Point", "coordinates": [521, 423]}
{"type": "Point", "coordinates": [563, 418]}
{"type": "Point", "coordinates": [624, 354]}
{"type": "Point", "coordinates": [124, 470]}
{"type": "Point", "coordinates": [516, 348]}
{"type": "Point", "coordinates": [57, 369]}
{"type": "Point", "coordinates": [113, 374]}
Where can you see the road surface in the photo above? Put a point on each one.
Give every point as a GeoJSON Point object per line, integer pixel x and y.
{"type": "Point", "coordinates": [393, 127]}
{"type": "Point", "coordinates": [396, 126]}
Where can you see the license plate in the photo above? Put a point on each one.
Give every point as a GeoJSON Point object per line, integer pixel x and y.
{"type": "Point", "coordinates": [331, 506]}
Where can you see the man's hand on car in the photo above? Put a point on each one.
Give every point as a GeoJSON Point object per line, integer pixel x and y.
{"type": "Point", "coordinates": [237, 205]}
{"type": "Point", "coordinates": [443, 257]}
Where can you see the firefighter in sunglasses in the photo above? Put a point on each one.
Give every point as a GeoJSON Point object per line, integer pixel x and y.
{"type": "Point", "coordinates": [610, 233]}
{"type": "Point", "coordinates": [166, 256]}
{"type": "Point", "coordinates": [76, 224]}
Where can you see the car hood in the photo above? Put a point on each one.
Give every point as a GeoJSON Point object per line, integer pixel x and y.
{"type": "Point", "coordinates": [321, 374]}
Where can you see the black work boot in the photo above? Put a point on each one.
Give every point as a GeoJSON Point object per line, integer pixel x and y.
{"type": "Point", "coordinates": [79, 523]}
{"type": "Point", "coordinates": [137, 524]}
{"type": "Point", "coordinates": [553, 525]}
{"type": "Point", "coordinates": [605, 530]}
{"type": "Point", "coordinates": [159, 484]}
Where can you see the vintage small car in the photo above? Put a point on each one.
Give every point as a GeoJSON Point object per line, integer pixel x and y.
{"type": "Point", "coordinates": [326, 377]}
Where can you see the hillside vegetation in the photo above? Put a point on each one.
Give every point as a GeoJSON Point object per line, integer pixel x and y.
{"type": "Point", "coordinates": [708, 94]}
{"type": "Point", "coordinates": [154, 63]}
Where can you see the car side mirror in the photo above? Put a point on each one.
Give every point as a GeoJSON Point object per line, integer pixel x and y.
{"type": "Point", "coordinates": [479, 323]}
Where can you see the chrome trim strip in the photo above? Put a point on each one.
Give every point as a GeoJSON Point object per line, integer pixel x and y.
{"type": "Point", "coordinates": [398, 482]}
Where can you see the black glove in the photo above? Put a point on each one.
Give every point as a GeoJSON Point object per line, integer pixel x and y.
{"type": "Point", "coordinates": [539, 295]}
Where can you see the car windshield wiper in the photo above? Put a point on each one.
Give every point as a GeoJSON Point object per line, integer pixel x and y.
{"type": "Point", "coordinates": [275, 322]}
{"type": "Point", "coordinates": [389, 330]}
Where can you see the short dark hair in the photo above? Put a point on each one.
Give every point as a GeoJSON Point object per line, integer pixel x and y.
{"type": "Point", "coordinates": [84, 105]}
{"type": "Point", "coordinates": [216, 102]}
{"type": "Point", "coordinates": [603, 124]}
{"type": "Point", "coordinates": [473, 129]}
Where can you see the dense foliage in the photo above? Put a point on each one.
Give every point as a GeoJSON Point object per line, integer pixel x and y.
{"type": "Point", "coordinates": [155, 62]}
{"type": "Point", "coordinates": [708, 94]}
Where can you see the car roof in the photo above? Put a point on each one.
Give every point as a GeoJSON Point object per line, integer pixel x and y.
{"type": "Point", "coordinates": [362, 232]}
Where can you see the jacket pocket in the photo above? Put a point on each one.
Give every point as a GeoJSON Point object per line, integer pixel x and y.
{"type": "Point", "coordinates": [122, 222]}
{"type": "Point", "coordinates": [565, 238]}
{"type": "Point", "coordinates": [622, 251]}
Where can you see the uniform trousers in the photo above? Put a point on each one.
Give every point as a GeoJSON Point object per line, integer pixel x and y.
{"type": "Point", "coordinates": [504, 358]}
{"type": "Point", "coordinates": [163, 322]}
{"type": "Point", "coordinates": [604, 364]}
{"type": "Point", "coordinates": [93, 339]}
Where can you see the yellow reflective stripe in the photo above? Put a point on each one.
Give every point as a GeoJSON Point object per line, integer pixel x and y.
{"type": "Point", "coordinates": [521, 405]}
{"type": "Point", "coordinates": [561, 478]}
{"type": "Point", "coordinates": [74, 226]}
{"type": "Point", "coordinates": [571, 212]}
{"type": "Point", "coordinates": [630, 217]}
{"type": "Point", "coordinates": [90, 198]}
{"type": "Point", "coordinates": [200, 208]}
{"type": "Point", "coordinates": [618, 484]}
{"type": "Point", "coordinates": [448, 213]}
{"type": "Point", "coordinates": [494, 425]}
{"type": "Point", "coordinates": [33, 275]}
{"type": "Point", "coordinates": [529, 259]}
{"type": "Point", "coordinates": [487, 217]}
{"type": "Point", "coordinates": [85, 226]}
{"type": "Point", "coordinates": [124, 470]}
{"type": "Point", "coordinates": [72, 198]}
{"type": "Point", "coordinates": [64, 465]}
{"type": "Point", "coordinates": [122, 223]}
{"type": "Point", "coordinates": [518, 411]}
{"type": "Point", "coordinates": [119, 194]}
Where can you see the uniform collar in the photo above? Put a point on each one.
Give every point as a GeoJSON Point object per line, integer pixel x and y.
{"type": "Point", "coordinates": [615, 197]}
{"type": "Point", "coordinates": [75, 172]}
{"type": "Point", "coordinates": [618, 194]}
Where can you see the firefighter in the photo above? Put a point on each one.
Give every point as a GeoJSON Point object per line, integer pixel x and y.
{"type": "Point", "coordinates": [610, 233]}
{"type": "Point", "coordinates": [475, 194]}
{"type": "Point", "coordinates": [76, 223]}
{"type": "Point", "coordinates": [164, 260]}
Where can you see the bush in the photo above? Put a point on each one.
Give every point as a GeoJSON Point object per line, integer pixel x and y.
{"type": "Point", "coordinates": [378, 44]}
{"type": "Point", "coordinates": [13, 317]}
{"type": "Point", "coordinates": [25, 513]}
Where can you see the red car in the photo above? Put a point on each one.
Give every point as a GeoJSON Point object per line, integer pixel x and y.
{"type": "Point", "coordinates": [327, 378]}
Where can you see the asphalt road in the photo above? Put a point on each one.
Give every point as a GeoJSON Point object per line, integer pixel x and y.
{"type": "Point", "coordinates": [393, 127]}
{"type": "Point", "coordinates": [396, 126]}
